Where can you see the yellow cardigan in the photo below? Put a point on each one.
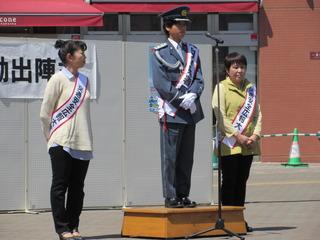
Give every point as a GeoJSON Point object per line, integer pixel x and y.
{"type": "Point", "coordinates": [76, 133]}
{"type": "Point", "coordinates": [231, 100]}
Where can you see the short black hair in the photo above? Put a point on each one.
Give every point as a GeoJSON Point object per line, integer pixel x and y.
{"type": "Point", "coordinates": [167, 24]}
{"type": "Point", "coordinates": [69, 46]}
{"type": "Point", "coordinates": [234, 57]}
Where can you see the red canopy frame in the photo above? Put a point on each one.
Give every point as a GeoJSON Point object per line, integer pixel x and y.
{"type": "Point", "coordinates": [33, 13]}
{"type": "Point", "coordinates": [157, 7]}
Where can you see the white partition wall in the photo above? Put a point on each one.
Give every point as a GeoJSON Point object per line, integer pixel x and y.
{"type": "Point", "coordinates": [104, 180]}
{"type": "Point", "coordinates": [143, 174]}
{"type": "Point", "coordinates": [201, 186]}
{"type": "Point", "coordinates": [12, 157]}
{"type": "Point", "coordinates": [38, 161]}
{"type": "Point", "coordinates": [126, 165]}
{"type": "Point", "coordinates": [103, 185]}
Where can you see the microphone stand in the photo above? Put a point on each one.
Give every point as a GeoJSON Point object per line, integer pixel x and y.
{"type": "Point", "coordinates": [219, 225]}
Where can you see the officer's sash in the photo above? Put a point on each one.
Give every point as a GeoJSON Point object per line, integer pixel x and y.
{"type": "Point", "coordinates": [243, 117]}
{"type": "Point", "coordinates": [187, 74]}
{"type": "Point", "coordinates": [68, 109]}
{"type": "Point", "coordinates": [156, 103]}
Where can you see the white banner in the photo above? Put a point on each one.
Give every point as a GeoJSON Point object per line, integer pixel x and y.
{"type": "Point", "coordinates": [27, 64]}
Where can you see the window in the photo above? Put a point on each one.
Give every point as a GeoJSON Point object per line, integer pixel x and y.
{"type": "Point", "coordinates": [46, 30]}
{"type": "Point", "coordinates": [145, 22]}
{"type": "Point", "coordinates": [198, 22]}
{"type": "Point", "coordinates": [56, 30]}
{"type": "Point", "coordinates": [15, 30]}
{"type": "Point", "coordinates": [110, 24]}
{"type": "Point", "coordinates": [235, 22]}
{"type": "Point", "coordinates": [41, 30]}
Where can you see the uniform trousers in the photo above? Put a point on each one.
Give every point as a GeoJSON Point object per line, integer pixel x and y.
{"type": "Point", "coordinates": [177, 147]}
{"type": "Point", "coordinates": [68, 175]}
{"type": "Point", "coordinates": [235, 173]}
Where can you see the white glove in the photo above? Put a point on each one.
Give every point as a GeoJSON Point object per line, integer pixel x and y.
{"type": "Point", "coordinates": [193, 108]}
{"type": "Point", "coordinates": [188, 99]}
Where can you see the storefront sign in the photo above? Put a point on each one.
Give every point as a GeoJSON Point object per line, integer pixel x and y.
{"type": "Point", "coordinates": [7, 21]}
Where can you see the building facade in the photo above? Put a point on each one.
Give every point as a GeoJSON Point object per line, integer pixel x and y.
{"type": "Point", "coordinates": [278, 39]}
{"type": "Point", "coordinates": [289, 70]}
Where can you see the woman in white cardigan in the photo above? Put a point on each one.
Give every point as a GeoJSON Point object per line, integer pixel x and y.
{"type": "Point", "coordinates": [65, 120]}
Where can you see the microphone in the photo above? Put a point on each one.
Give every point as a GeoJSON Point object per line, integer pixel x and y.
{"type": "Point", "coordinates": [214, 38]}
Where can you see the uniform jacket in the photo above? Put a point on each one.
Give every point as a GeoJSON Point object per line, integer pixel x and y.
{"type": "Point", "coordinates": [165, 79]}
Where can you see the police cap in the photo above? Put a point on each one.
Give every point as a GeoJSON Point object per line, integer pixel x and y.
{"type": "Point", "coordinates": [176, 14]}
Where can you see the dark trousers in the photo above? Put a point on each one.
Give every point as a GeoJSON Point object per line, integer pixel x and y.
{"type": "Point", "coordinates": [68, 173]}
{"type": "Point", "coordinates": [177, 147]}
{"type": "Point", "coordinates": [235, 173]}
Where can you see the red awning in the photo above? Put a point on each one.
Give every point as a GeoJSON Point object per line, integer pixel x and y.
{"type": "Point", "coordinates": [30, 13]}
{"type": "Point", "coordinates": [156, 7]}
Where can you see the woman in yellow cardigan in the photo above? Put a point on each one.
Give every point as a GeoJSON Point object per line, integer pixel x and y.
{"type": "Point", "coordinates": [239, 128]}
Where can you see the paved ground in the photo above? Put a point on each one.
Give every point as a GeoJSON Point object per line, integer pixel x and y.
{"type": "Point", "coordinates": [282, 204]}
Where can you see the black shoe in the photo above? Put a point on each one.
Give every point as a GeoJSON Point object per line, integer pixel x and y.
{"type": "Point", "coordinates": [173, 203]}
{"type": "Point", "coordinates": [188, 203]}
{"type": "Point", "coordinates": [249, 229]}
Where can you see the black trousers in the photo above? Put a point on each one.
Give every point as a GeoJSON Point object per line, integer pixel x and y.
{"type": "Point", "coordinates": [235, 173]}
{"type": "Point", "coordinates": [177, 147]}
{"type": "Point", "coordinates": [68, 174]}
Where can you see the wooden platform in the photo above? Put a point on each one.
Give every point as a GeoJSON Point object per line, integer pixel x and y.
{"type": "Point", "coordinates": [161, 222]}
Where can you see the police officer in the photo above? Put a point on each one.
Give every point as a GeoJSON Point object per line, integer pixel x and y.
{"type": "Point", "coordinates": [177, 78]}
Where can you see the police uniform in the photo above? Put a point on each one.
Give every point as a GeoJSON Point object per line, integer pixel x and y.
{"type": "Point", "coordinates": [177, 123]}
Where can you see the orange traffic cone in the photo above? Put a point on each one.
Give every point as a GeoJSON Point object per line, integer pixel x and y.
{"type": "Point", "coordinates": [294, 156]}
